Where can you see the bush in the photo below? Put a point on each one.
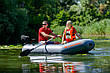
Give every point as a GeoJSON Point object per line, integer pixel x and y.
{"type": "Point", "coordinates": [13, 22]}
{"type": "Point", "coordinates": [98, 28]}
{"type": "Point", "coordinates": [59, 31]}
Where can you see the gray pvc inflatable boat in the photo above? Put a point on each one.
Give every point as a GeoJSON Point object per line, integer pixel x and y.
{"type": "Point", "coordinates": [74, 47]}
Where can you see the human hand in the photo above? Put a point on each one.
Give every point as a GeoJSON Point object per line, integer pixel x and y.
{"type": "Point", "coordinates": [78, 35]}
{"type": "Point", "coordinates": [54, 37]}
{"type": "Point", "coordinates": [63, 42]}
{"type": "Point", "coordinates": [59, 36]}
{"type": "Point", "coordinates": [42, 42]}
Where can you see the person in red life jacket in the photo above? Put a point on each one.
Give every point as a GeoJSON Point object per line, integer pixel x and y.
{"type": "Point", "coordinates": [69, 33]}
{"type": "Point", "coordinates": [44, 34]}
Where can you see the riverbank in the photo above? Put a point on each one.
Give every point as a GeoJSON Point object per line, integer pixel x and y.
{"type": "Point", "coordinates": [97, 35]}
{"type": "Point", "coordinates": [96, 38]}
{"type": "Point", "coordinates": [11, 46]}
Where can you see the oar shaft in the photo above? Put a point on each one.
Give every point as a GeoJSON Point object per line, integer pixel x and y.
{"type": "Point", "coordinates": [26, 52]}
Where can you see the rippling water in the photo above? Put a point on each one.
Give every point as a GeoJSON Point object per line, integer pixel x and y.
{"type": "Point", "coordinates": [95, 62]}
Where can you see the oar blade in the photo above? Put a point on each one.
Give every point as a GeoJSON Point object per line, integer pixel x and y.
{"type": "Point", "coordinates": [25, 52]}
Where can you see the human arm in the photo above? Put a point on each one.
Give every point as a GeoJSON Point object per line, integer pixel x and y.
{"type": "Point", "coordinates": [45, 32]}
{"type": "Point", "coordinates": [77, 34]}
{"type": "Point", "coordinates": [56, 35]}
{"type": "Point", "coordinates": [63, 38]}
{"type": "Point", "coordinates": [47, 35]}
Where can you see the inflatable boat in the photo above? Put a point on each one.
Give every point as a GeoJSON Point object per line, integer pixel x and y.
{"type": "Point", "coordinates": [74, 47]}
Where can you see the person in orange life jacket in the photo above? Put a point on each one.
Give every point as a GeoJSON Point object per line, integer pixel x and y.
{"type": "Point", "coordinates": [69, 33]}
{"type": "Point", "coordinates": [44, 34]}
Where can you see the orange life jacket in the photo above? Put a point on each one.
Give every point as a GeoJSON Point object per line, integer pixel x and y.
{"type": "Point", "coordinates": [70, 34]}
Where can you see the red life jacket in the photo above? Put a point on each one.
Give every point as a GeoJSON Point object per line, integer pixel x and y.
{"type": "Point", "coordinates": [70, 34]}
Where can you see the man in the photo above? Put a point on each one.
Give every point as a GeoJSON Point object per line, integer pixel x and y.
{"type": "Point", "coordinates": [44, 34]}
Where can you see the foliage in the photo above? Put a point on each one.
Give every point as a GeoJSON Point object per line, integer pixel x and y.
{"type": "Point", "coordinates": [19, 17]}
{"type": "Point", "coordinates": [59, 31]}
{"type": "Point", "coordinates": [87, 12]}
{"type": "Point", "coordinates": [97, 28]}
{"type": "Point", "coordinates": [11, 47]}
{"type": "Point", "coordinates": [79, 29]}
{"type": "Point", "coordinates": [61, 18]}
{"type": "Point", "coordinates": [13, 22]}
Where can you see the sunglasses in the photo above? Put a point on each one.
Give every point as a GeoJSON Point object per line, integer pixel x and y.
{"type": "Point", "coordinates": [45, 24]}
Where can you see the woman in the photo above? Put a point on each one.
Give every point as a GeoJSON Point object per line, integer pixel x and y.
{"type": "Point", "coordinates": [69, 33]}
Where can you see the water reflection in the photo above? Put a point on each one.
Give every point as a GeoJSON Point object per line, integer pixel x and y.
{"type": "Point", "coordinates": [96, 62]}
{"type": "Point", "coordinates": [25, 68]}
{"type": "Point", "coordinates": [54, 64]}
{"type": "Point", "coordinates": [47, 68]}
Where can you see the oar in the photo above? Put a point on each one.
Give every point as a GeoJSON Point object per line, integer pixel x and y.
{"type": "Point", "coordinates": [26, 52]}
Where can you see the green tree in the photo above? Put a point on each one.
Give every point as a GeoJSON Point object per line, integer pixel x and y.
{"type": "Point", "coordinates": [13, 22]}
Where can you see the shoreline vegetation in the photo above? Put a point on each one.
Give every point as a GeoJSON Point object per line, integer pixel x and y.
{"type": "Point", "coordinates": [96, 38]}
{"type": "Point", "coordinates": [22, 17]}
{"type": "Point", "coordinates": [10, 47]}
{"type": "Point", "coordinates": [97, 35]}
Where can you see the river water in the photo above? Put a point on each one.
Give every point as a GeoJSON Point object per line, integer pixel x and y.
{"type": "Point", "coordinates": [98, 61]}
